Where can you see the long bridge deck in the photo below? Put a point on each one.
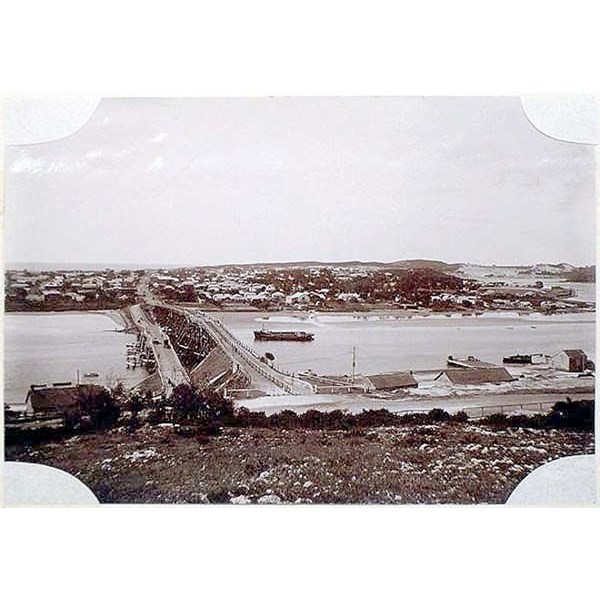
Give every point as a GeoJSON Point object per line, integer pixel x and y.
{"type": "Point", "coordinates": [172, 372]}
{"type": "Point", "coordinates": [263, 376]}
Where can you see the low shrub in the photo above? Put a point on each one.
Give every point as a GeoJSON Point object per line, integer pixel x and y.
{"type": "Point", "coordinates": [495, 420]}
{"type": "Point", "coordinates": [438, 415]}
{"type": "Point", "coordinates": [578, 415]}
{"type": "Point", "coordinates": [246, 418]}
{"type": "Point", "coordinates": [460, 417]}
{"type": "Point", "coordinates": [34, 436]}
{"type": "Point", "coordinates": [376, 418]}
{"type": "Point", "coordinates": [341, 420]}
{"type": "Point", "coordinates": [573, 415]}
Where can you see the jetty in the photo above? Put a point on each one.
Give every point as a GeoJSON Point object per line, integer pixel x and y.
{"type": "Point", "coordinates": [470, 362]}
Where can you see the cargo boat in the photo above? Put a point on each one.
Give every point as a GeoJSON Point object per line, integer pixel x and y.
{"type": "Point", "coordinates": [283, 336]}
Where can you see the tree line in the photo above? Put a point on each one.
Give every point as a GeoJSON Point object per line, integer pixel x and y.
{"type": "Point", "coordinates": [203, 413]}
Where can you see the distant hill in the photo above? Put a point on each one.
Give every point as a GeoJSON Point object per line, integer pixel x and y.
{"type": "Point", "coordinates": [581, 275]}
{"type": "Point", "coordinates": [435, 265]}
{"type": "Point", "coordinates": [421, 263]}
{"type": "Point", "coordinates": [45, 267]}
{"type": "Point", "coordinates": [303, 264]}
{"type": "Point", "coordinates": [468, 270]}
{"type": "Point", "coordinates": [540, 270]}
{"type": "Point", "coordinates": [464, 269]}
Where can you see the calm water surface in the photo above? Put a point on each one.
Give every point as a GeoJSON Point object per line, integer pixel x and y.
{"type": "Point", "coordinates": [51, 347]}
{"type": "Point", "coordinates": [386, 344]}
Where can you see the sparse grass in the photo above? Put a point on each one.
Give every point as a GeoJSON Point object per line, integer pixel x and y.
{"type": "Point", "coordinates": [446, 462]}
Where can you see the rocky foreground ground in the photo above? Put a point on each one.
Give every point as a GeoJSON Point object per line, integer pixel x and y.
{"type": "Point", "coordinates": [442, 463]}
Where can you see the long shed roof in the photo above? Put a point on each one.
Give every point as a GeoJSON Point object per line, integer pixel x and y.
{"type": "Point", "coordinates": [390, 381]}
{"type": "Point", "coordinates": [477, 375]}
{"type": "Point", "coordinates": [59, 398]}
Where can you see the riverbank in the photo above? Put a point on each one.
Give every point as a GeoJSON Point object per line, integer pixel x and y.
{"type": "Point", "coordinates": [391, 342]}
{"type": "Point", "coordinates": [459, 463]}
{"type": "Point", "coordinates": [23, 307]}
{"type": "Point", "coordinates": [474, 404]}
{"type": "Point", "coordinates": [116, 314]}
{"type": "Point", "coordinates": [378, 310]}
{"type": "Point", "coordinates": [42, 348]}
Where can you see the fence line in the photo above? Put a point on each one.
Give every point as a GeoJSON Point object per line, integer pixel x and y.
{"type": "Point", "coordinates": [487, 407]}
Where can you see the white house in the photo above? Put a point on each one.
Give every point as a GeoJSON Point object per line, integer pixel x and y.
{"type": "Point", "coordinates": [569, 360]}
{"type": "Point", "coordinates": [349, 297]}
{"type": "Point", "coordinates": [298, 298]}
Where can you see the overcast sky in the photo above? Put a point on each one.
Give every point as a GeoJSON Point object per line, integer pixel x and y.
{"type": "Point", "coordinates": [212, 181]}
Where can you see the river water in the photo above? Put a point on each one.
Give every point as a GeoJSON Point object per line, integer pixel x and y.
{"type": "Point", "coordinates": [51, 347]}
{"type": "Point", "coordinates": [387, 342]}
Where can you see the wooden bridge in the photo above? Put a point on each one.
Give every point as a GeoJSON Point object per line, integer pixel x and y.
{"type": "Point", "coordinates": [263, 376]}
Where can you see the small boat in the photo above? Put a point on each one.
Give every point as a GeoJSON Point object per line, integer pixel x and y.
{"type": "Point", "coordinates": [91, 374]}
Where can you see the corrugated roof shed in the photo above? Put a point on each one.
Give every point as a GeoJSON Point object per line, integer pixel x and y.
{"type": "Point", "coordinates": [392, 381]}
{"type": "Point", "coordinates": [59, 398]}
{"type": "Point", "coordinates": [476, 376]}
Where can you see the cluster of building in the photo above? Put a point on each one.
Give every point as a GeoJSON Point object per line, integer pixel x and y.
{"type": "Point", "coordinates": [299, 287]}
{"type": "Point", "coordinates": [470, 371]}
{"type": "Point", "coordinates": [56, 399]}
{"type": "Point", "coordinates": [322, 287]}
{"type": "Point", "coordinates": [536, 296]}
{"type": "Point", "coordinates": [68, 289]}
{"type": "Point", "coordinates": [356, 286]}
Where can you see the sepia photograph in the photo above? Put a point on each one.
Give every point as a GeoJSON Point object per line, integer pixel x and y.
{"type": "Point", "coordinates": [298, 300]}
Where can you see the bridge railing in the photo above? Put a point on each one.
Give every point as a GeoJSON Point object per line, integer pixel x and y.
{"type": "Point", "coordinates": [253, 361]}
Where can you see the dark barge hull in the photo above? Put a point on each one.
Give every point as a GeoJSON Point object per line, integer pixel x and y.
{"type": "Point", "coordinates": [283, 336]}
{"type": "Point", "coordinates": [517, 359]}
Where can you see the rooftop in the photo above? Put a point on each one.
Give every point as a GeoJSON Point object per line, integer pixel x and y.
{"type": "Point", "coordinates": [477, 375]}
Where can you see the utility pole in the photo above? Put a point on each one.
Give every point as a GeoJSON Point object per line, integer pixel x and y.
{"type": "Point", "coordinates": [353, 362]}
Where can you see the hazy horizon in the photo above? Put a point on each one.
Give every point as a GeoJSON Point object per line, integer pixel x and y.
{"type": "Point", "coordinates": [265, 180]}
{"type": "Point", "coordinates": [72, 266]}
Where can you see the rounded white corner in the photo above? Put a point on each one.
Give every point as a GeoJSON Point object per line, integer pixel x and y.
{"type": "Point", "coordinates": [30, 484]}
{"type": "Point", "coordinates": [570, 481]}
{"type": "Point", "coordinates": [571, 118]}
{"type": "Point", "coordinates": [40, 119]}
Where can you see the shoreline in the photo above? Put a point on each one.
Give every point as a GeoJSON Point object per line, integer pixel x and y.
{"type": "Point", "coordinates": [408, 313]}
{"type": "Point", "coordinates": [119, 326]}
{"type": "Point", "coordinates": [306, 314]}
{"type": "Point", "coordinates": [490, 402]}
{"type": "Point", "coordinates": [113, 313]}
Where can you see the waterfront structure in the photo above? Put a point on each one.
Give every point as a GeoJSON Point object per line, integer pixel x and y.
{"type": "Point", "coordinates": [474, 376]}
{"type": "Point", "coordinates": [391, 381]}
{"type": "Point", "coordinates": [468, 363]}
{"type": "Point", "coordinates": [573, 361]}
{"type": "Point", "coordinates": [56, 399]}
